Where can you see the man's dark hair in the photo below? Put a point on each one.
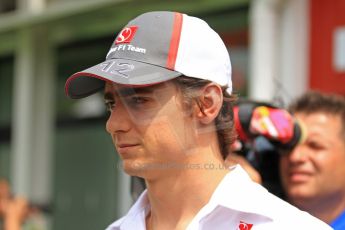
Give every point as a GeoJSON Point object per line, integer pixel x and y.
{"type": "Point", "coordinates": [315, 102]}
{"type": "Point", "coordinates": [225, 119]}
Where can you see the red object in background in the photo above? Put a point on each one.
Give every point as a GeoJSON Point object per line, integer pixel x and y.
{"type": "Point", "coordinates": [325, 17]}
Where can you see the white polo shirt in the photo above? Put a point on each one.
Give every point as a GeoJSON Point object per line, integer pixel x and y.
{"type": "Point", "coordinates": [236, 204]}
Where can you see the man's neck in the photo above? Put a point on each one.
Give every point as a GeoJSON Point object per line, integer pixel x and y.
{"type": "Point", "coordinates": [326, 210]}
{"type": "Point", "coordinates": [176, 199]}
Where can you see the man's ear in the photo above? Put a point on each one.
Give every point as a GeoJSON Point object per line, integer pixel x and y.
{"type": "Point", "coordinates": [210, 102]}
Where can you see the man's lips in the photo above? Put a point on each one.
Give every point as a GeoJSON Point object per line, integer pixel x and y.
{"type": "Point", "coordinates": [299, 176]}
{"type": "Point", "coordinates": [125, 148]}
{"type": "Point", "coordinates": [126, 145]}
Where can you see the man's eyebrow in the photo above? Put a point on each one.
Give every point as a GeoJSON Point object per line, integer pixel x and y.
{"type": "Point", "coordinates": [127, 91]}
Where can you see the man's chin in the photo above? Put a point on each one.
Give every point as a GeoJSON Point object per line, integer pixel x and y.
{"type": "Point", "coordinates": [133, 168]}
{"type": "Point", "coordinates": [300, 193]}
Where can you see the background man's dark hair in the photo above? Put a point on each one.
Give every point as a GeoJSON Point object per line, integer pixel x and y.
{"type": "Point", "coordinates": [314, 101]}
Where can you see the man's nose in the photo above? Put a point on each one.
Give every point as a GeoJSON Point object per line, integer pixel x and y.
{"type": "Point", "coordinates": [298, 154]}
{"type": "Point", "coordinates": [119, 120]}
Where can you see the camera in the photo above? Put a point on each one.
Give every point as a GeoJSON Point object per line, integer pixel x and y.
{"type": "Point", "coordinates": [263, 136]}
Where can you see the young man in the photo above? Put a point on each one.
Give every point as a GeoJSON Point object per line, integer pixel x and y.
{"type": "Point", "coordinates": [167, 85]}
{"type": "Point", "coordinates": [313, 174]}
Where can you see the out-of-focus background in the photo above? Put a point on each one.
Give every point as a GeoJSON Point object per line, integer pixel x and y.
{"type": "Point", "coordinates": [55, 150]}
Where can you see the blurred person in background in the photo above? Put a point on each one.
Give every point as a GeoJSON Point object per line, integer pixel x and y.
{"type": "Point", "coordinates": [313, 173]}
{"type": "Point", "coordinates": [16, 213]}
{"type": "Point", "coordinates": [167, 85]}
{"type": "Point", "coordinates": [13, 210]}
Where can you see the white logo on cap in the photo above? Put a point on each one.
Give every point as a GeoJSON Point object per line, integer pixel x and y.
{"type": "Point", "coordinates": [117, 68]}
{"type": "Point", "coordinates": [125, 47]}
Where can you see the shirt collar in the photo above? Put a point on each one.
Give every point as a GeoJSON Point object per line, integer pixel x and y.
{"type": "Point", "coordinates": [135, 218]}
{"type": "Point", "coordinates": [237, 192]}
{"type": "Point", "coordinates": [339, 222]}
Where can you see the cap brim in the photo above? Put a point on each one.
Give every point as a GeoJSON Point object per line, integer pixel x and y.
{"type": "Point", "coordinates": [121, 71]}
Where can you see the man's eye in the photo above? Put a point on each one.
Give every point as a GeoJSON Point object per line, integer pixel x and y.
{"type": "Point", "coordinates": [109, 105]}
{"type": "Point", "coordinates": [315, 145]}
{"type": "Point", "coordinates": [135, 101]}
{"type": "Point", "coordinates": [138, 100]}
